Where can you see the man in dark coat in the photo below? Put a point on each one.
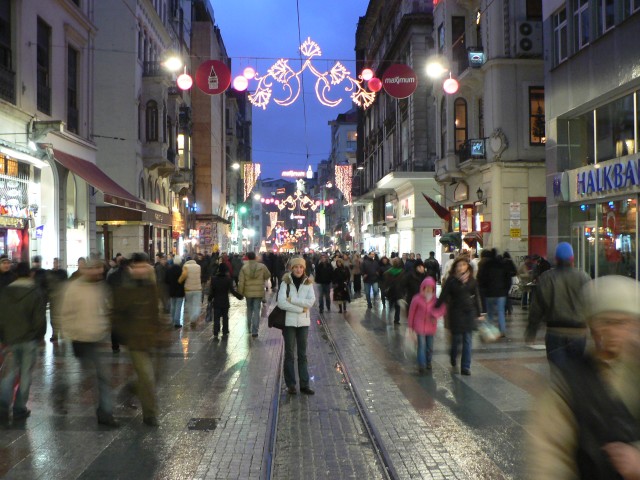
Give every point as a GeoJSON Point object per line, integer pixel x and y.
{"type": "Point", "coordinates": [323, 277]}
{"type": "Point", "coordinates": [221, 286]}
{"type": "Point", "coordinates": [432, 267]}
{"type": "Point", "coordinates": [6, 275]}
{"type": "Point", "coordinates": [22, 325]}
{"type": "Point", "coordinates": [370, 269]}
{"type": "Point", "coordinates": [494, 281]}
{"type": "Point", "coordinates": [175, 289]}
{"type": "Point", "coordinates": [136, 322]}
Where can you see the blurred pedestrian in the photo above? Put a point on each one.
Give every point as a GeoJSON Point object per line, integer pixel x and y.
{"type": "Point", "coordinates": [525, 277]}
{"type": "Point", "coordinates": [236, 266]}
{"type": "Point", "coordinates": [160, 269]}
{"type": "Point", "coordinates": [22, 326]}
{"type": "Point", "coordinates": [176, 290]}
{"type": "Point", "coordinates": [82, 262]}
{"type": "Point", "coordinates": [557, 303]}
{"type": "Point", "coordinates": [423, 319]}
{"type": "Point", "coordinates": [511, 272]}
{"type": "Point", "coordinates": [460, 294]}
{"type": "Point", "coordinates": [413, 280]}
{"type": "Point", "coordinates": [7, 276]}
{"type": "Point", "coordinates": [251, 286]}
{"type": "Point", "coordinates": [137, 323]}
{"type": "Point", "coordinates": [296, 299]}
{"type": "Point", "coordinates": [385, 265]}
{"type": "Point", "coordinates": [115, 277]}
{"type": "Point", "coordinates": [56, 281]}
{"type": "Point", "coordinates": [432, 267]}
{"type": "Point", "coordinates": [85, 321]}
{"type": "Point", "coordinates": [323, 277]}
{"type": "Point", "coordinates": [339, 279]}
{"type": "Point", "coordinates": [494, 281]}
{"type": "Point", "coordinates": [446, 268]}
{"type": "Point", "coordinates": [191, 278]}
{"type": "Point", "coordinates": [356, 264]}
{"type": "Point", "coordinates": [219, 290]}
{"type": "Point", "coordinates": [586, 424]}
{"type": "Point", "coordinates": [370, 269]}
{"type": "Point", "coordinates": [394, 292]}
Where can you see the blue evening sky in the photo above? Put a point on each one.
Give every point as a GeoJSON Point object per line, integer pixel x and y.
{"type": "Point", "coordinates": [257, 33]}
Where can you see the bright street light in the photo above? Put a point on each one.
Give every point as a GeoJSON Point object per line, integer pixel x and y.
{"type": "Point", "coordinates": [257, 196]}
{"type": "Point", "coordinates": [173, 63]}
{"type": "Point", "coordinates": [436, 69]}
{"type": "Point", "coordinates": [235, 166]}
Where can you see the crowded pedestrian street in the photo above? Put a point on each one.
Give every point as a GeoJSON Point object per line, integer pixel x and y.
{"type": "Point", "coordinates": [224, 411]}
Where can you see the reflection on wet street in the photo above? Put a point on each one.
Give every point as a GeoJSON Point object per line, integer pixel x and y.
{"type": "Point", "coordinates": [225, 414]}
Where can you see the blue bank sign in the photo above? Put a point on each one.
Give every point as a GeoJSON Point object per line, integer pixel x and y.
{"type": "Point", "coordinates": [607, 178]}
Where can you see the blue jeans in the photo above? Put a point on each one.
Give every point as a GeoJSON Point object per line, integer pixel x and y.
{"type": "Point", "coordinates": [561, 348]}
{"type": "Point", "coordinates": [253, 314]}
{"type": "Point", "coordinates": [88, 355]}
{"type": "Point", "coordinates": [465, 338]}
{"type": "Point", "coordinates": [295, 338]}
{"type": "Point", "coordinates": [192, 305]}
{"type": "Point", "coordinates": [495, 308]}
{"type": "Point", "coordinates": [425, 349]}
{"type": "Point", "coordinates": [176, 309]}
{"type": "Point", "coordinates": [219, 312]}
{"type": "Point", "coordinates": [20, 363]}
{"type": "Point", "coordinates": [367, 291]}
{"type": "Point", "coordinates": [325, 293]}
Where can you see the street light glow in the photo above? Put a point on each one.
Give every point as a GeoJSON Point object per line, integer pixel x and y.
{"type": "Point", "coordinates": [435, 69]}
{"type": "Point", "coordinates": [235, 166]}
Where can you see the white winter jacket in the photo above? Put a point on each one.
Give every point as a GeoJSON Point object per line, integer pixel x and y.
{"type": "Point", "coordinates": [300, 298]}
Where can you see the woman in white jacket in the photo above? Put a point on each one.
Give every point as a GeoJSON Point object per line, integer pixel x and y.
{"type": "Point", "coordinates": [296, 296]}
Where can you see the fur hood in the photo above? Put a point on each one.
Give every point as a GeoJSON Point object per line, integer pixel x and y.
{"type": "Point", "coordinates": [286, 278]}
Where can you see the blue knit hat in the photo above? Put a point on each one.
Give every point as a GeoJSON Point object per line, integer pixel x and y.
{"type": "Point", "coordinates": [564, 252]}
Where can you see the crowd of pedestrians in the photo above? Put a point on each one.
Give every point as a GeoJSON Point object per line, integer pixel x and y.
{"type": "Point", "coordinates": [137, 303]}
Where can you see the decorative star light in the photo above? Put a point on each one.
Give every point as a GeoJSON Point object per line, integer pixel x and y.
{"type": "Point", "coordinates": [298, 199]}
{"type": "Point", "coordinates": [291, 81]}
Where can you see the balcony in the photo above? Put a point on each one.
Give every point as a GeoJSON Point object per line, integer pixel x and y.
{"type": "Point", "coordinates": [154, 156]}
{"type": "Point", "coordinates": [472, 154]}
{"type": "Point", "coordinates": [181, 179]}
{"type": "Point", "coordinates": [7, 85]}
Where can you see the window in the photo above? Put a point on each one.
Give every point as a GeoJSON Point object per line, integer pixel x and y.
{"type": "Point", "coordinates": [581, 24]}
{"type": "Point", "coordinates": [44, 67]}
{"type": "Point", "coordinates": [614, 129]}
{"type": "Point", "coordinates": [7, 76]}
{"type": "Point", "coordinates": [141, 193]}
{"type": "Point", "coordinates": [537, 135]}
{"type": "Point", "coordinates": [149, 189]}
{"type": "Point", "coordinates": [151, 131]}
{"type": "Point", "coordinates": [72, 89]}
{"type": "Point", "coordinates": [534, 9]}
{"type": "Point", "coordinates": [606, 16]}
{"type": "Point", "coordinates": [140, 43]}
{"type": "Point", "coordinates": [164, 124]}
{"type": "Point", "coordinates": [480, 118]}
{"type": "Point", "coordinates": [157, 192]}
{"type": "Point", "coordinates": [443, 128]}
{"type": "Point", "coordinates": [560, 53]}
{"type": "Point", "coordinates": [459, 43]}
{"type": "Point", "coordinates": [460, 122]}
{"type": "Point", "coordinates": [140, 117]}
{"type": "Point", "coordinates": [352, 138]}
{"type": "Point", "coordinates": [441, 38]}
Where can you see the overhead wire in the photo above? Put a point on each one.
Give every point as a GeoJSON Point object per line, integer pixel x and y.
{"type": "Point", "coordinates": [304, 102]}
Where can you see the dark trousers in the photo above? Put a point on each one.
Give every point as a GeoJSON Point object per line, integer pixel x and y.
{"type": "Point", "coordinates": [357, 283]}
{"type": "Point", "coordinates": [396, 312]}
{"type": "Point", "coordinates": [325, 294]}
{"type": "Point", "coordinates": [561, 348]}
{"type": "Point", "coordinates": [295, 338]}
{"type": "Point", "coordinates": [465, 339]}
{"type": "Point", "coordinates": [220, 312]}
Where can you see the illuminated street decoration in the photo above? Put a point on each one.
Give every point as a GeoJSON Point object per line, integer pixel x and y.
{"type": "Point", "coordinates": [251, 174]}
{"type": "Point", "coordinates": [343, 180]}
{"type": "Point", "coordinates": [273, 219]}
{"type": "Point", "coordinates": [297, 200]}
{"type": "Point", "coordinates": [291, 81]}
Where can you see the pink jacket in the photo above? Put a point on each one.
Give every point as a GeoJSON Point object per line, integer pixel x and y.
{"type": "Point", "coordinates": [423, 315]}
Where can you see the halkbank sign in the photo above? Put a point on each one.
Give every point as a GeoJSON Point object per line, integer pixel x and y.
{"type": "Point", "coordinates": [613, 177]}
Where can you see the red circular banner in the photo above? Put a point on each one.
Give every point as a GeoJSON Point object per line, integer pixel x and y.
{"type": "Point", "coordinates": [213, 77]}
{"type": "Point", "coordinates": [399, 80]}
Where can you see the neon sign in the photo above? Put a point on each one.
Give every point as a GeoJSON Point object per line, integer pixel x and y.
{"type": "Point", "coordinates": [294, 173]}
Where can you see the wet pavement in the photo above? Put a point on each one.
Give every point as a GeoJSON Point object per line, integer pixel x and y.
{"type": "Point", "coordinates": [225, 413]}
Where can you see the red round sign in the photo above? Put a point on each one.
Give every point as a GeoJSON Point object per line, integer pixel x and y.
{"type": "Point", "coordinates": [213, 77]}
{"type": "Point", "coordinates": [399, 80]}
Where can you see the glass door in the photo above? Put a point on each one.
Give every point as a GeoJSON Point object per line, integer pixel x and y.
{"type": "Point", "coordinates": [583, 241]}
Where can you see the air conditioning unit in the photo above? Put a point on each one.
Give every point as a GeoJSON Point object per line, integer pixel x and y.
{"type": "Point", "coordinates": [529, 39]}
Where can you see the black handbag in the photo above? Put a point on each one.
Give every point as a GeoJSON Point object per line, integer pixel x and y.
{"type": "Point", "coordinates": [278, 316]}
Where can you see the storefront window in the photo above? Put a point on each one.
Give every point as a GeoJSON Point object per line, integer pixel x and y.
{"type": "Point", "coordinates": [615, 127]}
{"type": "Point", "coordinates": [616, 222]}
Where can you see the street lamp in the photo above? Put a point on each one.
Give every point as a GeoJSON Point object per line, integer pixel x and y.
{"type": "Point", "coordinates": [437, 67]}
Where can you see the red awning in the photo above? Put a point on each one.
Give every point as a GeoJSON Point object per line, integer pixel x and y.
{"type": "Point", "coordinates": [441, 211]}
{"type": "Point", "coordinates": [472, 237]}
{"type": "Point", "coordinates": [114, 194]}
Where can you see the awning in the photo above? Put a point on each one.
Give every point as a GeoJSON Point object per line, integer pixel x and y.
{"type": "Point", "coordinates": [452, 238]}
{"type": "Point", "coordinates": [114, 194]}
{"type": "Point", "coordinates": [472, 237]}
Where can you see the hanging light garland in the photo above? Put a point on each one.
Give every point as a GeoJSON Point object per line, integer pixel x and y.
{"type": "Point", "coordinates": [251, 173]}
{"type": "Point", "coordinates": [297, 200]}
{"type": "Point", "coordinates": [291, 81]}
{"type": "Point", "coordinates": [344, 179]}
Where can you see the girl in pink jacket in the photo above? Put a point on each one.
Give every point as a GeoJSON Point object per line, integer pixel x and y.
{"type": "Point", "coordinates": [423, 319]}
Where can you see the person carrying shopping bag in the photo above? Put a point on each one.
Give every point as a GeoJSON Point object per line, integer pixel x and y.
{"type": "Point", "coordinates": [423, 320]}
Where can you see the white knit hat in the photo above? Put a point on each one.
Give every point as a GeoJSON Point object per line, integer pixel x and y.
{"type": "Point", "coordinates": [297, 261]}
{"type": "Point", "coordinates": [612, 294]}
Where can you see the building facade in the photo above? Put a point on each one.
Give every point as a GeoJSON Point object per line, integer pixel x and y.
{"type": "Point", "coordinates": [47, 203]}
{"type": "Point", "coordinates": [396, 137]}
{"type": "Point", "coordinates": [592, 88]}
{"type": "Point", "coordinates": [490, 131]}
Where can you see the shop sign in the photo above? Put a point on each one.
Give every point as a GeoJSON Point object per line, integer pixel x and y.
{"type": "Point", "coordinates": [608, 177]}
{"type": "Point", "coordinates": [399, 80]}
{"type": "Point", "coordinates": [485, 227]}
{"type": "Point", "coordinates": [515, 232]}
{"type": "Point", "coordinates": [293, 174]}
{"type": "Point", "coordinates": [213, 77]}
{"type": "Point", "coordinates": [12, 222]}
{"type": "Point", "coordinates": [437, 232]}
